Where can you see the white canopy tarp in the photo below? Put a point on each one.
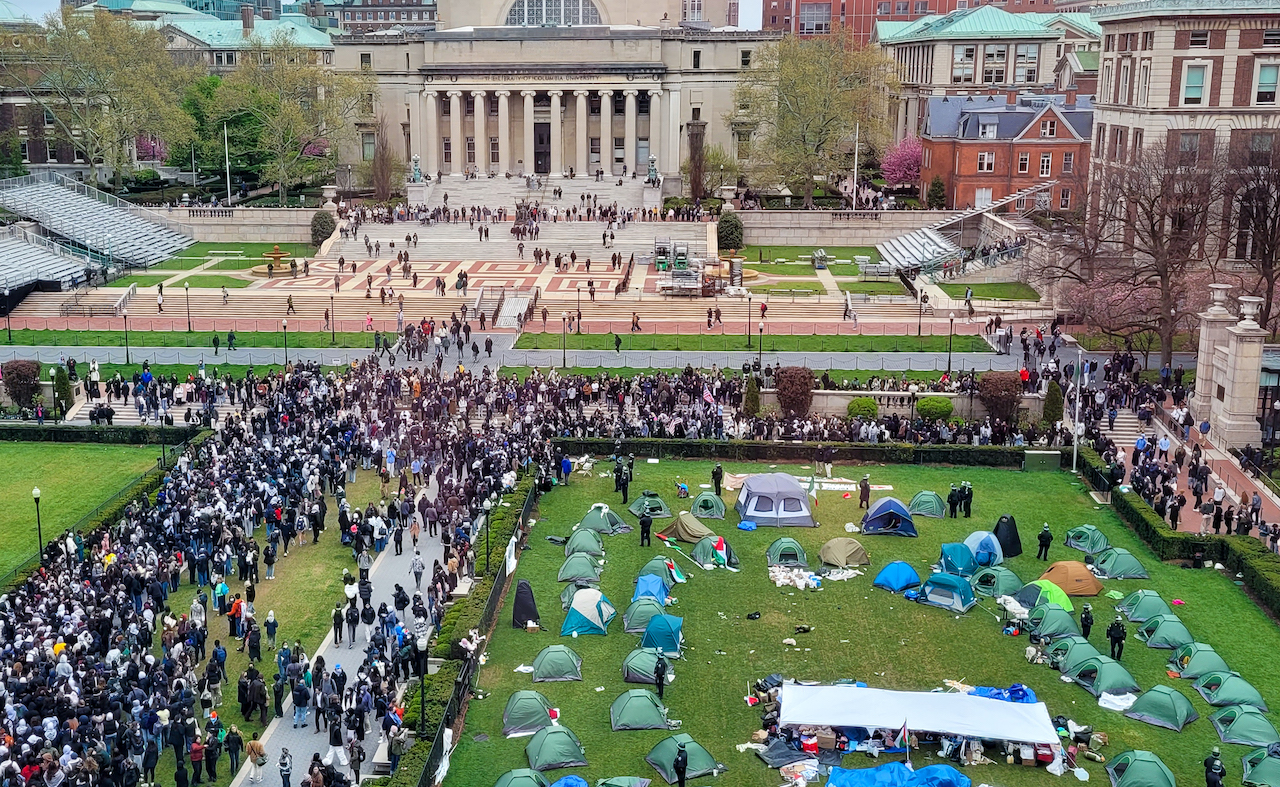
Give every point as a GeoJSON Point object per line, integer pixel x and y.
{"type": "Point", "coordinates": [952, 714]}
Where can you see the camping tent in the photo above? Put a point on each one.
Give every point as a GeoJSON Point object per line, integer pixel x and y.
{"type": "Point", "coordinates": [557, 663]}
{"type": "Point", "coordinates": [995, 581]}
{"type": "Point", "coordinates": [714, 551]}
{"type": "Point", "coordinates": [1073, 577]}
{"type": "Point", "coordinates": [638, 666]}
{"type": "Point", "coordinates": [651, 586]}
{"type": "Point", "coordinates": [638, 709]}
{"type": "Point", "coordinates": [1244, 724]}
{"type": "Point", "coordinates": [600, 519]}
{"type": "Point", "coordinates": [665, 633]}
{"type": "Point", "coordinates": [985, 548]}
{"type": "Point", "coordinates": [523, 609]}
{"type": "Point", "coordinates": [522, 777]}
{"type": "Point", "coordinates": [555, 747]}
{"type": "Point", "coordinates": [947, 591]}
{"type": "Point", "coordinates": [774, 499]}
{"type": "Point", "coordinates": [1141, 605]}
{"type": "Point", "coordinates": [1137, 768]}
{"type": "Point", "coordinates": [1228, 688]}
{"type": "Point", "coordinates": [1163, 707]}
{"type": "Point", "coordinates": [1103, 675]}
{"type": "Point", "coordinates": [1118, 563]}
{"type": "Point", "coordinates": [1088, 539]}
{"type": "Point", "coordinates": [566, 595]}
{"type": "Point", "coordinates": [843, 552]}
{"type": "Point", "coordinates": [636, 619]}
{"type": "Point", "coordinates": [686, 528]}
{"type": "Point", "coordinates": [663, 757]}
{"type": "Point", "coordinates": [661, 567]}
{"type": "Point", "coordinates": [1042, 591]}
{"type": "Point", "coordinates": [928, 503]}
{"type": "Point", "coordinates": [589, 613]}
{"type": "Point", "coordinates": [1066, 653]}
{"type": "Point", "coordinates": [1006, 531]}
{"type": "Point", "coordinates": [649, 503]}
{"type": "Point", "coordinates": [1195, 659]}
{"type": "Point", "coordinates": [623, 781]}
{"type": "Point", "coordinates": [527, 712]}
{"type": "Point", "coordinates": [579, 568]}
{"type": "Point", "coordinates": [1164, 631]}
{"type": "Point", "coordinates": [888, 517]}
{"type": "Point", "coordinates": [897, 577]}
{"type": "Point", "coordinates": [787, 552]}
{"type": "Point", "coordinates": [708, 505]}
{"type": "Point", "coordinates": [955, 558]}
{"type": "Point", "coordinates": [1262, 767]}
{"type": "Point", "coordinates": [1051, 621]}
{"type": "Point", "coordinates": [584, 540]}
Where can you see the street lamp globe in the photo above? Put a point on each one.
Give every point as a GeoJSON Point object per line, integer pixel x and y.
{"type": "Point", "coordinates": [35, 493]}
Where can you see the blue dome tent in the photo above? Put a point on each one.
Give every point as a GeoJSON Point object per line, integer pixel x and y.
{"type": "Point", "coordinates": [896, 577]}
{"type": "Point", "coordinates": [955, 558]}
{"type": "Point", "coordinates": [651, 586]}
{"type": "Point", "coordinates": [888, 517]}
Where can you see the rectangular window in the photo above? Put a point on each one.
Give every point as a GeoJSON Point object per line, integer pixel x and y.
{"type": "Point", "coordinates": [1271, 37]}
{"type": "Point", "coordinates": [901, 6]}
{"type": "Point", "coordinates": [994, 57]}
{"type": "Point", "coordinates": [1124, 83]}
{"type": "Point", "coordinates": [1024, 163]}
{"type": "Point", "coordinates": [1064, 199]}
{"type": "Point", "coordinates": [1105, 92]}
{"type": "Point", "coordinates": [962, 64]}
{"type": "Point", "coordinates": [1260, 149]}
{"type": "Point", "coordinates": [347, 16]}
{"type": "Point", "coordinates": [1046, 164]}
{"type": "Point", "coordinates": [882, 7]}
{"type": "Point", "coordinates": [1199, 39]}
{"type": "Point", "coordinates": [922, 6]}
{"type": "Point", "coordinates": [744, 145]}
{"type": "Point", "coordinates": [1189, 148]}
{"type": "Point", "coordinates": [1144, 83]}
{"type": "Point", "coordinates": [815, 18]}
{"type": "Point", "coordinates": [988, 131]}
{"type": "Point", "coordinates": [1043, 199]}
{"type": "Point", "coordinates": [368, 140]}
{"type": "Point", "coordinates": [697, 58]}
{"type": "Point", "coordinates": [1068, 162]}
{"type": "Point", "coordinates": [446, 150]}
{"type": "Point", "coordinates": [926, 157]}
{"type": "Point", "coordinates": [469, 105]}
{"type": "Point", "coordinates": [24, 151]}
{"type": "Point", "coordinates": [51, 151]}
{"type": "Point", "coordinates": [1137, 142]}
{"type": "Point", "coordinates": [493, 150]}
{"type": "Point", "coordinates": [981, 198]}
{"type": "Point", "coordinates": [744, 58]}
{"type": "Point", "coordinates": [1193, 85]}
{"type": "Point", "coordinates": [1267, 77]}
{"type": "Point", "coordinates": [366, 61]}
{"type": "Point", "coordinates": [471, 150]}
{"type": "Point", "coordinates": [217, 58]}
{"type": "Point", "coordinates": [1108, 43]}
{"type": "Point", "coordinates": [1026, 63]}
{"type": "Point", "coordinates": [987, 161]}
{"type": "Point", "coordinates": [1020, 203]}
{"type": "Point", "coordinates": [695, 114]}
{"type": "Point", "coordinates": [1048, 128]}
{"type": "Point", "coordinates": [692, 11]}
{"type": "Point", "coordinates": [1148, 40]}
{"type": "Point", "coordinates": [48, 118]}
{"type": "Point", "coordinates": [594, 157]}
{"type": "Point", "coordinates": [619, 150]}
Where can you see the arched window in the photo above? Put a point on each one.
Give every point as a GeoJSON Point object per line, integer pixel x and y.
{"type": "Point", "coordinates": [553, 12]}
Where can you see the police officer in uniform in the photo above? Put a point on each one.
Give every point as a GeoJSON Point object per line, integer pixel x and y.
{"type": "Point", "coordinates": [1117, 635]}
{"type": "Point", "coordinates": [717, 477]}
{"type": "Point", "coordinates": [646, 524]}
{"type": "Point", "coordinates": [953, 501]}
{"type": "Point", "coordinates": [966, 498]}
{"type": "Point", "coordinates": [660, 675]}
{"type": "Point", "coordinates": [1086, 620]}
{"type": "Point", "coordinates": [1044, 540]}
{"type": "Point", "coordinates": [1214, 770]}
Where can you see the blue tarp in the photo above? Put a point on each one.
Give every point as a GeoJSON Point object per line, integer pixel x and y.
{"type": "Point", "coordinates": [897, 577]}
{"type": "Point", "coordinates": [651, 585]}
{"type": "Point", "coordinates": [1015, 693]}
{"type": "Point", "coordinates": [895, 774]}
{"type": "Point", "coordinates": [571, 781]}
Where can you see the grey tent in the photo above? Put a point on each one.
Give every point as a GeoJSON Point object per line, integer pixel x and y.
{"type": "Point", "coordinates": [600, 519]}
{"type": "Point", "coordinates": [555, 747]}
{"type": "Point", "coordinates": [566, 595]}
{"type": "Point", "coordinates": [579, 568]}
{"type": "Point", "coordinates": [709, 552]}
{"type": "Point", "coordinates": [708, 506]}
{"type": "Point", "coordinates": [686, 528]}
{"type": "Point", "coordinates": [527, 712]}
{"type": "Point", "coordinates": [636, 619]}
{"type": "Point", "coordinates": [774, 500]}
{"type": "Point", "coordinates": [557, 663]}
{"type": "Point", "coordinates": [638, 709]}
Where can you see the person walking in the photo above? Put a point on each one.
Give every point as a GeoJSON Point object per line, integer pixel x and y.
{"type": "Point", "coordinates": [646, 525]}
{"type": "Point", "coordinates": [660, 675]}
{"type": "Point", "coordinates": [257, 754]}
{"type": "Point", "coordinates": [285, 766]}
{"type": "Point", "coordinates": [336, 749]}
{"type": "Point", "coordinates": [418, 567]}
{"type": "Point", "coordinates": [357, 757]}
{"type": "Point", "coordinates": [1116, 634]}
{"type": "Point", "coordinates": [1044, 540]}
{"type": "Point", "coordinates": [864, 492]}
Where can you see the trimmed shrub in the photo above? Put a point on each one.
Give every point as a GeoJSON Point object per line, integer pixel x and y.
{"type": "Point", "coordinates": [794, 385]}
{"type": "Point", "coordinates": [1053, 403]}
{"type": "Point", "coordinates": [21, 381]}
{"type": "Point", "coordinates": [936, 197]}
{"type": "Point", "coordinates": [120, 435]}
{"type": "Point", "coordinates": [322, 226]}
{"type": "Point", "coordinates": [751, 397]}
{"type": "Point", "coordinates": [729, 231]}
{"type": "Point", "coordinates": [758, 450]}
{"type": "Point", "coordinates": [1000, 392]}
{"type": "Point", "coordinates": [934, 408]}
{"type": "Point", "coordinates": [62, 390]}
{"type": "Point", "coordinates": [439, 688]}
{"type": "Point", "coordinates": [864, 407]}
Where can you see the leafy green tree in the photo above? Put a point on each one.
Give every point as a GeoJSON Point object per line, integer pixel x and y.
{"type": "Point", "coordinates": [864, 407]}
{"type": "Point", "coordinates": [751, 397]}
{"type": "Point", "coordinates": [936, 197]}
{"type": "Point", "coordinates": [322, 226]}
{"type": "Point", "coordinates": [11, 165]}
{"type": "Point", "coordinates": [1053, 403]}
{"type": "Point", "coordinates": [729, 231]}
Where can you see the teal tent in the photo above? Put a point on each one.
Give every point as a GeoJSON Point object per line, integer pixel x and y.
{"type": "Point", "coordinates": [1262, 767]}
{"type": "Point", "coordinates": [927, 503]}
{"type": "Point", "coordinates": [995, 581]}
{"type": "Point", "coordinates": [1244, 724]}
{"type": "Point", "coordinates": [650, 503]}
{"type": "Point", "coordinates": [714, 551]}
{"type": "Point", "coordinates": [566, 595]}
{"type": "Point", "coordinates": [1066, 653]}
{"type": "Point", "coordinates": [663, 757]}
{"type": "Point", "coordinates": [584, 540]}
{"type": "Point", "coordinates": [579, 568]}
{"type": "Point", "coordinates": [1103, 675]}
{"type": "Point", "coordinates": [527, 712]}
{"type": "Point", "coordinates": [947, 591]}
{"type": "Point", "coordinates": [1118, 563]}
{"type": "Point", "coordinates": [1163, 707]}
{"type": "Point", "coordinates": [787, 551]}
{"type": "Point", "coordinates": [665, 633]}
{"type": "Point", "coordinates": [660, 567]}
{"type": "Point", "coordinates": [1088, 539]}
{"type": "Point", "coordinates": [1142, 605]}
{"type": "Point", "coordinates": [639, 664]}
{"type": "Point", "coordinates": [1136, 768]}
{"type": "Point", "coordinates": [1195, 659]}
{"type": "Point", "coordinates": [708, 506]}
{"type": "Point", "coordinates": [555, 747]}
{"type": "Point", "coordinates": [522, 777]}
{"type": "Point", "coordinates": [557, 663]}
{"type": "Point", "coordinates": [1051, 621]}
{"type": "Point", "coordinates": [589, 613]}
{"type": "Point", "coordinates": [1164, 631]}
{"type": "Point", "coordinates": [955, 558]}
{"type": "Point", "coordinates": [1227, 688]}
{"type": "Point", "coordinates": [638, 709]}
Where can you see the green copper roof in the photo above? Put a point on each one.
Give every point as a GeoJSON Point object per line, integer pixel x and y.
{"type": "Point", "coordinates": [1088, 60]}
{"type": "Point", "coordinates": [1082, 22]}
{"type": "Point", "coordinates": [148, 6]}
{"type": "Point", "coordinates": [983, 22]}
{"type": "Point", "coordinates": [229, 34]}
{"type": "Point", "coordinates": [11, 14]}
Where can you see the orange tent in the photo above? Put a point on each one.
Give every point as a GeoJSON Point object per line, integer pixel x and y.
{"type": "Point", "coordinates": [1074, 578]}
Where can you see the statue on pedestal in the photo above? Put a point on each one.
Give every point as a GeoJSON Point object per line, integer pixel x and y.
{"type": "Point", "coordinates": [417, 170]}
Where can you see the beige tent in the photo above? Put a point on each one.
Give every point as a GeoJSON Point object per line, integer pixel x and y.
{"type": "Point", "coordinates": [686, 528]}
{"type": "Point", "coordinates": [844, 553]}
{"type": "Point", "coordinates": [1073, 577]}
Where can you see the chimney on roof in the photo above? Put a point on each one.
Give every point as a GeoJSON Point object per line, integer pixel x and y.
{"type": "Point", "coordinates": [1071, 95]}
{"type": "Point", "coordinates": [246, 18]}
{"type": "Point", "coordinates": [266, 14]}
{"type": "Point", "coordinates": [1011, 97]}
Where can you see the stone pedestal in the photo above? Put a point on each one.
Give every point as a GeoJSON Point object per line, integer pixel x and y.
{"type": "Point", "coordinates": [418, 193]}
{"type": "Point", "coordinates": [1237, 374]}
{"type": "Point", "coordinates": [1213, 333]}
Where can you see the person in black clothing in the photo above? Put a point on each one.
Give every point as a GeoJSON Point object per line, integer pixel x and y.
{"type": "Point", "coordinates": [966, 498]}
{"type": "Point", "coordinates": [660, 675]}
{"type": "Point", "coordinates": [624, 483]}
{"type": "Point", "coordinates": [681, 765]}
{"type": "Point", "coordinates": [1044, 539]}
{"type": "Point", "coordinates": [717, 477]}
{"type": "Point", "coordinates": [1117, 635]}
{"type": "Point", "coordinates": [180, 777]}
{"type": "Point", "coordinates": [353, 618]}
{"type": "Point", "coordinates": [337, 623]}
{"type": "Point", "coordinates": [277, 695]}
{"type": "Point", "coordinates": [1086, 620]}
{"type": "Point", "coordinates": [1214, 770]}
{"type": "Point", "coordinates": [646, 525]}
{"type": "Point", "coordinates": [953, 501]}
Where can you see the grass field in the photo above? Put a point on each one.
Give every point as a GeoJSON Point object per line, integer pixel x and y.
{"type": "Point", "coordinates": [793, 253]}
{"type": "Point", "coordinates": [1002, 291]}
{"type": "Point", "coordinates": [183, 339]}
{"type": "Point", "coordinates": [140, 279]}
{"type": "Point", "coordinates": [791, 286]}
{"type": "Point", "coordinates": [207, 250]}
{"type": "Point", "coordinates": [214, 282]}
{"type": "Point", "coordinates": [859, 632]}
{"type": "Point", "coordinates": [874, 287]}
{"type": "Point", "coordinates": [74, 478]}
{"type": "Point", "coordinates": [782, 268]}
{"type": "Point", "coordinates": [604, 341]}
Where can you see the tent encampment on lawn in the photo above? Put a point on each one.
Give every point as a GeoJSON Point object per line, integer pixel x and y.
{"type": "Point", "coordinates": [579, 568]}
{"type": "Point", "coordinates": [888, 517]}
{"type": "Point", "coordinates": [1244, 724]}
{"type": "Point", "coordinates": [927, 503]}
{"type": "Point", "coordinates": [774, 500]}
{"type": "Point", "coordinates": [1088, 539]}
{"type": "Point", "coordinates": [555, 747]}
{"type": "Point", "coordinates": [522, 777]}
{"type": "Point", "coordinates": [947, 591]}
{"type": "Point", "coordinates": [523, 609]}
{"type": "Point", "coordinates": [1227, 688]}
{"type": "Point", "coordinates": [686, 528]}
{"type": "Point", "coordinates": [650, 503]}
{"type": "Point", "coordinates": [665, 633]}
{"type": "Point", "coordinates": [1074, 578]}
{"type": "Point", "coordinates": [1119, 563]}
{"type": "Point", "coordinates": [896, 577]}
{"type": "Point", "coordinates": [1142, 605]}
{"type": "Point", "coordinates": [714, 551]}
{"type": "Point", "coordinates": [1195, 659]}
{"type": "Point", "coordinates": [1262, 767]}
{"type": "Point", "coordinates": [638, 709]}
{"type": "Point", "coordinates": [1164, 631]}
{"type": "Point", "coordinates": [1042, 591]}
{"type": "Point", "coordinates": [663, 756]}
{"type": "Point", "coordinates": [651, 586]}
{"type": "Point", "coordinates": [1137, 768]}
{"type": "Point", "coordinates": [557, 663]}
{"type": "Point", "coordinates": [1051, 621]}
{"type": "Point", "coordinates": [708, 505]}
{"type": "Point", "coordinates": [985, 548]}
{"type": "Point", "coordinates": [527, 712]}
{"type": "Point", "coordinates": [661, 567]}
{"type": "Point", "coordinates": [636, 619]}
{"type": "Point", "coordinates": [600, 519]}
{"type": "Point", "coordinates": [995, 581]}
{"type": "Point", "coordinates": [787, 551]}
{"type": "Point", "coordinates": [584, 540]}
{"type": "Point", "coordinates": [843, 552]}
{"type": "Point", "coordinates": [639, 664]}
{"type": "Point", "coordinates": [1103, 675]}
{"type": "Point", "coordinates": [955, 558]}
{"type": "Point", "coordinates": [1163, 707]}
{"type": "Point", "coordinates": [1006, 531]}
{"type": "Point", "coordinates": [1064, 654]}
{"type": "Point", "coordinates": [589, 613]}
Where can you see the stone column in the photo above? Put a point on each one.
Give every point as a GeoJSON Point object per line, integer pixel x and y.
{"type": "Point", "coordinates": [606, 131]}
{"type": "Point", "coordinates": [457, 143]}
{"type": "Point", "coordinates": [655, 130]}
{"type": "Point", "coordinates": [528, 130]}
{"type": "Point", "coordinates": [431, 133]}
{"type": "Point", "coordinates": [629, 130]}
{"type": "Point", "coordinates": [481, 135]}
{"type": "Point", "coordinates": [504, 132]}
{"type": "Point", "coordinates": [674, 110]}
{"type": "Point", "coordinates": [580, 125]}
{"type": "Point", "coordinates": [413, 99]}
{"type": "Point", "coordinates": [1213, 332]}
{"type": "Point", "coordinates": [557, 139]}
{"type": "Point", "coordinates": [1237, 409]}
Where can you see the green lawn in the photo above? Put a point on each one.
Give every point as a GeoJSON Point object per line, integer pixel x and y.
{"type": "Point", "coordinates": [212, 368]}
{"type": "Point", "coordinates": [182, 263]}
{"type": "Point", "coordinates": [140, 279]}
{"type": "Point", "coordinates": [859, 632]}
{"type": "Point", "coordinates": [807, 287]}
{"type": "Point", "coordinates": [214, 282]}
{"type": "Point", "coordinates": [522, 372]}
{"type": "Point", "coordinates": [842, 269]}
{"type": "Point", "coordinates": [61, 471]}
{"type": "Point", "coordinates": [793, 253]}
{"type": "Point", "coordinates": [1002, 291]}
{"type": "Point", "coordinates": [782, 268]}
{"type": "Point", "coordinates": [733, 341]}
{"type": "Point", "coordinates": [206, 250]}
{"type": "Point", "coordinates": [182, 339]}
{"type": "Point", "coordinates": [892, 287]}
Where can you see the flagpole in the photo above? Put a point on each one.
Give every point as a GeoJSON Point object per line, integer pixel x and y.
{"type": "Point", "coordinates": [226, 157]}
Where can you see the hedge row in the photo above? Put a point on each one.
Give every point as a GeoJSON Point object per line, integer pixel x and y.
{"type": "Point", "coordinates": [439, 690]}
{"type": "Point", "coordinates": [754, 451]}
{"type": "Point", "coordinates": [122, 435]}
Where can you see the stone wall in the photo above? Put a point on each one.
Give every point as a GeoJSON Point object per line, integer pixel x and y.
{"type": "Point", "coordinates": [833, 228]}
{"type": "Point", "coordinates": [837, 403]}
{"type": "Point", "coordinates": [240, 225]}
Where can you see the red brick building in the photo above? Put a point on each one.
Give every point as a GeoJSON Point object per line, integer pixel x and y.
{"type": "Point", "coordinates": [859, 17]}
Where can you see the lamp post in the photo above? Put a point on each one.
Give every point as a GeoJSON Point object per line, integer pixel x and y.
{"type": "Point", "coordinates": [35, 495]}
{"type": "Point", "coordinates": [760, 350]}
{"type": "Point", "coordinates": [53, 386]}
{"type": "Point", "coordinates": [422, 644]}
{"type": "Point", "coordinates": [8, 326]}
{"type": "Point", "coordinates": [579, 307]}
{"type": "Point", "coordinates": [333, 320]}
{"type": "Point", "coordinates": [951, 332]}
{"type": "Point", "coordinates": [285, 325]}
{"type": "Point", "coordinates": [1076, 432]}
{"type": "Point", "coordinates": [488, 506]}
{"type": "Point", "coordinates": [748, 323]}
{"type": "Point", "coordinates": [125, 314]}
{"type": "Point", "coordinates": [186, 288]}
{"type": "Point", "coordinates": [564, 339]}
{"type": "Point", "coordinates": [923, 302]}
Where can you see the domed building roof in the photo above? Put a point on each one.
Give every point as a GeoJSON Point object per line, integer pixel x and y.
{"type": "Point", "coordinates": [12, 16]}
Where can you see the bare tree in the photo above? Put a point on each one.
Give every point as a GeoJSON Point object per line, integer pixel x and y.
{"type": "Point", "coordinates": [386, 170]}
{"type": "Point", "coordinates": [1251, 225]}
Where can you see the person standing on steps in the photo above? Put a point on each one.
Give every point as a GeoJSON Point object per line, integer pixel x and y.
{"type": "Point", "coordinates": [1116, 634]}
{"type": "Point", "coordinates": [1044, 540]}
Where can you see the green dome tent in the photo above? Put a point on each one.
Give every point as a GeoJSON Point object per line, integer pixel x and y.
{"type": "Point", "coordinates": [1164, 631]}
{"type": "Point", "coordinates": [1118, 563]}
{"type": "Point", "coordinates": [638, 666]}
{"type": "Point", "coordinates": [663, 757]}
{"type": "Point", "coordinates": [665, 633]}
{"type": "Point", "coordinates": [715, 551]}
{"type": "Point", "coordinates": [1223, 688]}
{"type": "Point", "coordinates": [579, 568]}
{"type": "Point", "coordinates": [650, 503]}
{"type": "Point", "coordinates": [590, 612]}
{"type": "Point", "coordinates": [557, 663]}
{"type": "Point", "coordinates": [927, 503]}
{"type": "Point", "coordinates": [1163, 707]}
{"type": "Point", "coordinates": [584, 540]}
{"type": "Point", "coordinates": [686, 528]}
{"type": "Point", "coordinates": [522, 777]}
{"type": "Point", "coordinates": [601, 520]}
{"type": "Point", "coordinates": [1244, 724]}
{"type": "Point", "coordinates": [1043, 591]}
{"type": "Point", "coordinates": [1262, 767]}
{"type": "Point", "coordinates": [527, 712]}
{"type": "Point", "coordinates": [1088, 539]}
{"type": "Point", "coordinates": [843, 552]}
{"type": "Point", "coordinates": [1142, 605]}
{"type": "Point", "coordinates": [708, 506]}
{"type": "Point", "coordinates": [555, 747]}
{"type": "Point", "coordinates": [995, 581]}
{"type": "Point", "coordinates": [638, 709]}
{"type": "Point", "coordinates": [786, 551]}
{"type": "Point", "coordinates": [566, 595]}
{"type": "Point", "coordinates": [1195, 659]}
{"type": "Point", "coordinates": [1066, 653]}
{"type": "Point", "coordinates": [1137, 768]}
{"type": "Point", "coordinates": [1103, 675]}
{"type": "Point", "coordinates": [636, 619]}
{"type": "Point", "coordinates": [1051, 621]}
{"type": "Point", "coordinates": [660, 567]}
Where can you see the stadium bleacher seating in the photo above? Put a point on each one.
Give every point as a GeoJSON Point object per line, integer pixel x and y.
{"type": "Point", "coordinates": [23, 261]}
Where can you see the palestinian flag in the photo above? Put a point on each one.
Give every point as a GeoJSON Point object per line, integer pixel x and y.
{"type": "Point", "coordinates": [903, 739]}
{"type": "Point", "coordinates": [721, 552]}
{"type": "Point", "coordinates": [813, 487]}
{"type": "Point", "coordinates": [676, 573]}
